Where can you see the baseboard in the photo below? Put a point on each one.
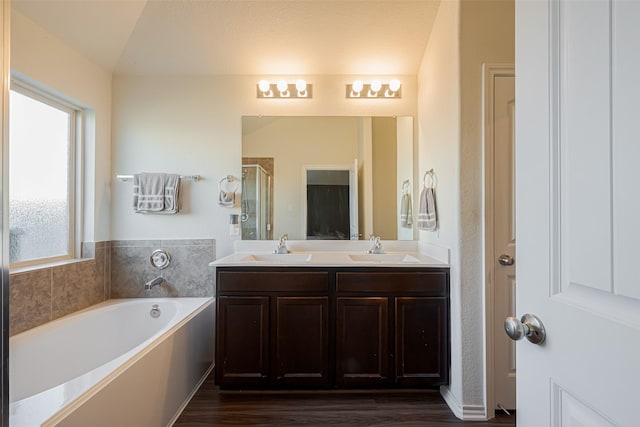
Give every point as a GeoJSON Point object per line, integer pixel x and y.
{"type": "Point", "coordinates": [464, 412]}
{"type": "Point", "coordinates": [188, 399]}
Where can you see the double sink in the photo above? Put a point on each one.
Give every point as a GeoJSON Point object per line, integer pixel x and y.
{"type": "Point", "coordinates": [332, 257]}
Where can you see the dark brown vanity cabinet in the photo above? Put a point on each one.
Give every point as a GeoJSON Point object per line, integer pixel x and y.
{"type": "Point", "coordinates": [392, 328]}
{"type": "Point", "coordinates": [272, 329]}
{"type": "Point", "coordinates": [319, 327]}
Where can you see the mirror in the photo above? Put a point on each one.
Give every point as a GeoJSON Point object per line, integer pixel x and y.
{"type": "Point", "coordinates": [290, 165]}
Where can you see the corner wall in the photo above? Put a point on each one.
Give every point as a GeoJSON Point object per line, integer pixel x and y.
{"type": "Point", "coordinates": [439, 149]}
{"type": "Point", "coordinates": [38, 55]}
{"type": "Point", "coordinates": [466, 34]}
{"type": "Point", "coordinates": [487, 36]}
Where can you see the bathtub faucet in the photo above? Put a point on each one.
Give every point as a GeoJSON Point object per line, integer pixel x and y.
{"type": "Point", "coordinates": [155, 282]}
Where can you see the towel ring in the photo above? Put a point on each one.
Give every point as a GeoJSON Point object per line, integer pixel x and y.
{"type": "Point", "coordinates": [432, 179]}
{"type": "Point", "coordinates": [406, 186]}
{"type": "Point", "coordinates": [228, 179]}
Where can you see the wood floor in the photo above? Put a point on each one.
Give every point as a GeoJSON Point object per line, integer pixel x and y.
{"type": "Point", "coordinates": [213, 407]}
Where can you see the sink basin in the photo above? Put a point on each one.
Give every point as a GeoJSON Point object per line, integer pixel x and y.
{"type": "Point", "coordinates": [277, 258]}
{"type": "Point", "coordinates": [383, 258]}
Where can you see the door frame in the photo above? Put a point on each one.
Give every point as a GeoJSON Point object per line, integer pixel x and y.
{"type": "Point", "coordinates": [5, 33]}
{"type": "Point", "coordinates": [489, 73]}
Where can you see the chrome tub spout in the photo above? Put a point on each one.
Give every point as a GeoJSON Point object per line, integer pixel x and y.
{"type": "Point", "coordinates": [155, 282]}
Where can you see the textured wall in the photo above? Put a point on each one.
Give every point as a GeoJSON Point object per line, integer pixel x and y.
{"type": "Point", "coordinates": [466, 34]}
{"type": "Point", "coordinates": [116, 269]}
{"type": "Point", "coordinates": [188, 275]}
{"type": "Point", "coordinates": [439, 149]}
{"type": "Point", "coordinates": [41, 295]}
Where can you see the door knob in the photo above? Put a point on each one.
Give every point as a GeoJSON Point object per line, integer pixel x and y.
{"type": "Point", "coordinates": [505, 259]}
{"type": "Point", "coordinates": [529, 326]}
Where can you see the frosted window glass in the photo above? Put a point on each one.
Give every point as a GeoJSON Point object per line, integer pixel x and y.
{"type": "Point", "coordinates": [39, 175]}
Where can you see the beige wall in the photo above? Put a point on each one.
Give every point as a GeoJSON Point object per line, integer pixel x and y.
{"type": "Point", "coordinates": [439, 149]}
{"type": "Point", "coordinates": [487, 36]}
{"type": "Point", "coordinates": [295, 142]}
{"type": "Point", "coordinates": [192, 125]}
{"type": "Point", "coordinates": [385, 192]}
{"type": "Point", "coordinates": [467, 34]}
{"type": "Point", "coordinates": [48, 61]}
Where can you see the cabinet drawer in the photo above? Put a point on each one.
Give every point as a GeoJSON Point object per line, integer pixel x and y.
{"type": "Point", "coordinates": [433, 283]}
{"type": "Point", "coordinates": [264, 281]}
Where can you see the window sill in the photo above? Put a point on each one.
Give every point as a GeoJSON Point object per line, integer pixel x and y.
{"type": "Point", "coordinates": [45, 266]}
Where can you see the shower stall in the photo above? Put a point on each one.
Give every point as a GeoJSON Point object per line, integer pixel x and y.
{"type": "Point", "coordinates": [255, 218]}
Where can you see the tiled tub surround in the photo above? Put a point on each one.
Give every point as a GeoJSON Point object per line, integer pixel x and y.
{"type": "Point", "coordinates": [188, 275]}
{"type": "Point", "coordinates": [117, 269]}
{"type": "Point", "coordinates": [40, 295]}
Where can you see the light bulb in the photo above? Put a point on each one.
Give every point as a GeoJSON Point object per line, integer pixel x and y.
{"type": "Point", "coordinates": [376, 86]}
{"type": "Point", "coordinates": [282, 85]}
{"type": "Point", "coordinates": [357, 86]}
{"type": "Point", "coordinates": [301, 85]}
{"type": "Point", "coordinates": [394, 85]}
{"type": "Point", "coordinates": [264, 86]}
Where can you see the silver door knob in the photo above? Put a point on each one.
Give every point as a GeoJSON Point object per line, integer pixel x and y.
{"type": "Point", "coordinates": [529, 326]}
{"type": "Point", "coordinates": [505, 259]}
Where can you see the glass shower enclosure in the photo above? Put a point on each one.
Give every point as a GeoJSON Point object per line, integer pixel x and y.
{"type": "Point", "coordinates": [255, 217]}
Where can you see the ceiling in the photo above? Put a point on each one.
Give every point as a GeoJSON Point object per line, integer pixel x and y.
{"type": "Point", "coordinates": [227, 37]}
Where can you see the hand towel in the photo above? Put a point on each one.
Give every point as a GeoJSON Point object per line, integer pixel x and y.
{"type": "Point", "coordinates": [157, 193]}
{"type": "Point", "coordinates": [148, 192]}
{"type": "Point", "coordinates": [427, 217]}
{"type": "Point", "coordinates": [406, 213]}
{"type": "Point", "coordinates": [172, 200]}
{"type": "Point", "coordinates": [227, 198]}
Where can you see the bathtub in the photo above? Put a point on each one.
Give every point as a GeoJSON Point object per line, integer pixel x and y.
{"type": "Point", "coordinates": [112, 364]}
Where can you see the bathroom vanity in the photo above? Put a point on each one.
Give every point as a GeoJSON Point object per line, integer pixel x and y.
{"type": "Point", "coordinates": [329, 319]}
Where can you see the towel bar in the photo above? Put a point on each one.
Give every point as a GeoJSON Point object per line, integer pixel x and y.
{"type": "Point", "coordinates": [195, 178]}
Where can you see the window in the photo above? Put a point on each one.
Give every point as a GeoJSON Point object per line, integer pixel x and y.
{"type": "Point", "coordinates": [42, 144]}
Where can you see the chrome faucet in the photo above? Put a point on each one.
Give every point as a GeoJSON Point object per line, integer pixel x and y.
{"type": "Point", "coordinates": [155, 282]}
{"type": "Point", "coordinates": [377, 246]}
{"type": "Point", "coordinates": [282, 246]}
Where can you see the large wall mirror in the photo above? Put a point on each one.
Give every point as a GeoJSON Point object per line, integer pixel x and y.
{"type": "Point", "coordinates": [327, 177]}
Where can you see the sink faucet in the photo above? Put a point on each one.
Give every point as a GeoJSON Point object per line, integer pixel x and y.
{"type": "Point", "coordinates": [155, 282]}
{"type": "Point", "coordinates": [282, 246]}
{"type": "Point", "coordinates": [377, 246]}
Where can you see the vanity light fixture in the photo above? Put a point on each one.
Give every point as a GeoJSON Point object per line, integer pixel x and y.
{"type": "Point", "coordinates": [374, 89]}
{"type": "Point", "coordinates": [283, 89]}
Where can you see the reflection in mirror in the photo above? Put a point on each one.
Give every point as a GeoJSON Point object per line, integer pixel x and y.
{"type": "Point", "coordinates": [256, 202]}
{"type": "Point", "coordinates": [382, 148]}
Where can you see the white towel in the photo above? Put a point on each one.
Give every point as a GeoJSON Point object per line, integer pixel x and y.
{"type": "Point", "coordinates": [156, 193]}
{"type": "Point", "coordinates": [172, 200]}
{"type": "Point", "coordinates": [427, 217]}
{"type": "Point", "coordinates": [406, 212]}
{"type": "Point", "coordinates": [227, 198]}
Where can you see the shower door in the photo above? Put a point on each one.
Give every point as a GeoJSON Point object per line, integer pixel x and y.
{"type": "Point", "coordinates": [256, 203]}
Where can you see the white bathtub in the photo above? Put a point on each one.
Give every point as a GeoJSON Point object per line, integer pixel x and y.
{"type": "Point", "coordinates": [112, 364]}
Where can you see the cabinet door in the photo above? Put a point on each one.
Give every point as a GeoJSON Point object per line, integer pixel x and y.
{"type": "Point", "coordinates": [421, 341]}
{"type": "Point", "coordinates": [301, 344]}
{"type": "Point", "coordinates": [362, 353]}
{"type": "Point", "coordinates": [242, 350]}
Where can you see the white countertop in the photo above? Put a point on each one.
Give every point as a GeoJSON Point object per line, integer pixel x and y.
{"type": "Point", "coordinates": [331, 253]}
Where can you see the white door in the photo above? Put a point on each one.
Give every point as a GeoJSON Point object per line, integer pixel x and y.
{"type": "Point", "coordinates": [504, 229]}
{"type": "Point", "coordinates": [578, 201]}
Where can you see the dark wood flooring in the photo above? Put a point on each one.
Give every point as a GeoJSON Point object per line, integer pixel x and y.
{"type": "Point", "coordinates": [214, 407]}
